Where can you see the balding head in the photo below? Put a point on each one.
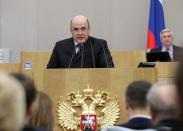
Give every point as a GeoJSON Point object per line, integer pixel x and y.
{"type": "Point", "coordinates": [79, 19]}
{"type": "Point", "coordinates": [162, 99]}
{"type": "Point", "coordinates": [167, 94]}
{"type": "Point", "coordinates": [80, 29]}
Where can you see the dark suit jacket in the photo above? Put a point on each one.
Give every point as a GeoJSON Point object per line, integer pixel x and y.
{"type": "Point", "coordinates": [166, 124]}
{"type": "Point", "coordinates": [138, 123]}
{"type": "Point", "coordinates": [95, 55]}
{"type": "Point", "coordinates": [177, 51]}
{"type": "Point", "coordinates": [178, 126]}
{"type": "Point", "coordinates": [30, 128]}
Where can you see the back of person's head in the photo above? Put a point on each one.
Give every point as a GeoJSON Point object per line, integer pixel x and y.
{"type": "Point", "coordinates": [29, 88]}
{"type": "Point", "coordinates": [162, 100]}
{"type": "Point", "coordinates": [43, 116]}
{"type": "Point", "coordinates": [136, 94]}
{"type": "Point", "coordinates": [12, 104]}
{"type": "Point", "coordinates": [179, 85]}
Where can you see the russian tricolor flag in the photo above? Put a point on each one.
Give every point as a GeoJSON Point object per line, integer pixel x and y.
{"type": "Point", "coordinates": [156, 24]}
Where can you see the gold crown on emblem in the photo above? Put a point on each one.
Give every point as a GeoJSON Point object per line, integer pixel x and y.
{"type": "Point", "coordinates": [88, 91]}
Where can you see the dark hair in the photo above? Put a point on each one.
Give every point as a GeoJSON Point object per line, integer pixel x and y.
{"type": "Point", "coordinates": [29, 88]}
{"type": "Point", "coordinates": [136, 94]}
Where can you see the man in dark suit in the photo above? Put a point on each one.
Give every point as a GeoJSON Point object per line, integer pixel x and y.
{"type": "Point", "coordinates": [166, 37]}
{"type": "Point", "coordinates": [137, 107]}
{"type": "Point", "coordinates": [80, 51]}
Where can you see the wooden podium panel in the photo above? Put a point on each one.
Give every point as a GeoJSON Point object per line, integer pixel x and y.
{"type": "Point", "coordinates": [10, 67]}
{"type": "Point", "coordinates": [120, 58]}
{"type": "Point", "coordinates": [128, 58]}
{"type": "Point", "coordinates": [166, 70]}
{"type": "Point", "coordinates": [39, 61]}
{"type": "Point", "coordinates": [61, 82]}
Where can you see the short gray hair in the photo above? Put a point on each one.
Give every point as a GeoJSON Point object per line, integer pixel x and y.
{"type": "Point", "coordinates": [166, 30]}
{"type": "Point", "coordinates": [159, 106]}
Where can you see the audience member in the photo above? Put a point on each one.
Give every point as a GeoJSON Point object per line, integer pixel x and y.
{"type": "Point", "coordinates": [136, 106]}
{"type": "Point", "coordinates": [179, 85]}
{"type": "Point", "coordinates": [162, 100]}
{"type": "Point", "coordinates": [12, 104]}
{"type": "Point", "coordinates": [43, 116]}
{"type": "Point", "coordinates": [31, 101]}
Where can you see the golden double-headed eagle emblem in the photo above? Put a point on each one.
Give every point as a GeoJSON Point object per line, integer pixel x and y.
{"type": "Point", "coordinates": [88, 102]}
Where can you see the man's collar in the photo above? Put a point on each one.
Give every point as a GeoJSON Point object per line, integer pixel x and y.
{"type": "Point", "coordinates": [164, 48]}
{"type": "Point", "coordinates": [75, 43]}
{"type": "Point", "coordinates": [142, 116]}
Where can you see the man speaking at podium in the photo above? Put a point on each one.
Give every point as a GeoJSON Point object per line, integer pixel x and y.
{"type": "Point", "coordinates": [166, 37]}
{"type": "Point", "coordinates": [82, 50]}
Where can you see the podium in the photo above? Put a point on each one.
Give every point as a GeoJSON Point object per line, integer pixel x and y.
{"type": "Point", "coordinates": [61, 82]}
{"type": "Point", "coordinates": [166, 70]}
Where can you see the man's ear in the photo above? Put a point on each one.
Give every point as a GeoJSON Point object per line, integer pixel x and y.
{"type": "Point", "coordinates": [153, 116]}
{"type": "Point", "coordinates": [126, 105]}
{"type": "Point", "coordinates": [33, 106]}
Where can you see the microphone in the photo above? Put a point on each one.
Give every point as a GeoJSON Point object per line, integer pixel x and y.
{"type": "Point", "coordinates": [92, 54]}
{"type": "Point", "coordinates": [82, 54]}
{"type": "Point", "coordinates": [69, 66]}
{"type": "Point", "coordinates": [105, 56]}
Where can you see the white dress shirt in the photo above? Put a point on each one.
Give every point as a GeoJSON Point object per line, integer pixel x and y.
{"type": "Point", "coordinates": [77, 48]}
{"type": "Point", "coordinates": [170, 51]}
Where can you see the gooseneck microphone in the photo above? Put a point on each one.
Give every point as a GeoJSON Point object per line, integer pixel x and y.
{"type": "Point", "coordinates": [105, 56]}
{"type": "Point", "coordinates": [82, 54]}
{"type": "Point", "coordinates": [69, 66]}
{"type": "Point", "coordinates": [93, 58]}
